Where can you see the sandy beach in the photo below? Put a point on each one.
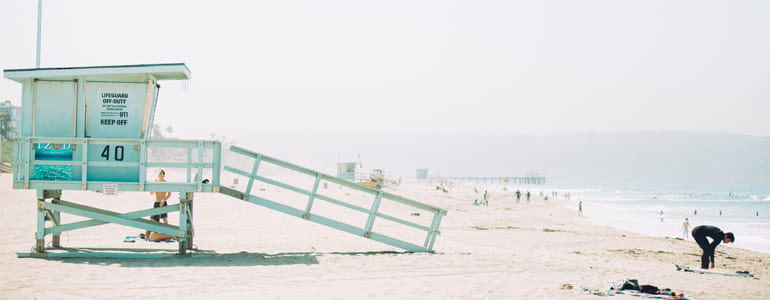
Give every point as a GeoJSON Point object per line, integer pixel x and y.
{"type": "Point", "coordinates": [508, 250]}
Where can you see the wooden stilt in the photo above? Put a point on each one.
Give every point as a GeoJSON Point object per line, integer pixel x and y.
{"type": "Point", "coordinates": [190, 229]}
{"type": "Point", "coordinates": [56, 219]}
{"type": "Point", "coordinates": [40, 234]}
{"type": "Point", "coordinates": [185, 223]}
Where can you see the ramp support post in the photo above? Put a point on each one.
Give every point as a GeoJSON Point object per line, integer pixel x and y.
{"type": "Point", "coordinates": [372, 214]}
{"type": "Point", "coordinates": [312, 197]}
{"type": "Point", "coordinates": [186, 232]}
{"type": "Point", "coordinates": [431, 238]}
{"type": "Point", "coordinates": [55, 218]}
{"type": "Point", "coordinates": [253, 174]}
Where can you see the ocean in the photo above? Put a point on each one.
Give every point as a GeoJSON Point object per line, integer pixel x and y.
{"type": "Point", "coordinates": [745, 211]}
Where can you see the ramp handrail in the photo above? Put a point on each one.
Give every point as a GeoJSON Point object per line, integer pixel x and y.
{"type": "Point", "coordinates": [365, 231]}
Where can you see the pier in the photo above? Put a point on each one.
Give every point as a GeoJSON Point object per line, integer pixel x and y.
{"type": "Point", "coordinates": [496, 180]}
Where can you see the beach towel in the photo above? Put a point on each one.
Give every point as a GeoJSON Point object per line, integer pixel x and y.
{"type": "Point", "coordinates": [633, 293]}
{"type": "Point", "coordinates": [132, 239]}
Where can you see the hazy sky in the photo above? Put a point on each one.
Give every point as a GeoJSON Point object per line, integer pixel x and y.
{"type": "Point", "coordinates": [444, 66]}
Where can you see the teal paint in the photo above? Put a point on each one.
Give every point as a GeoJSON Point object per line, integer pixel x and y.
{"type": "Point", "coordinates": [115, 102]}
{"type": "Point", "coordinates": [85, 127]}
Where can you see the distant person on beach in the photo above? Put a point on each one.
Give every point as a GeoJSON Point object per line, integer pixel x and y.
{"type": "Point", "coordinates": [156, 236]}
{"type": "Point", "coordinates": [161, 197]}
{"type": "Point", "coordinates": [661, 215]}
{"type": "Point", "coordinates": [580, 208]}
{"type": "Point", "coordinates": [475, 202]}
{"type": "Point", "coordinates": [518, 196]}
{"type": "Point", "coordinates": [485, 201]}
{"type": "Point", "coordinates": [685, 228]}
{"type": "Point", "coordinates": [700, 234]}
{"type": "Point", "coordinates": [528, 195]}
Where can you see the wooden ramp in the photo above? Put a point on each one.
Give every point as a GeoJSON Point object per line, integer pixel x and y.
{"type": "Point", "coordinates": [387, 211]}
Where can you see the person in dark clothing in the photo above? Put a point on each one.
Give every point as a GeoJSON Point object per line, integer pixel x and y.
{"type": "Point", "coordinates": [717, 236]}
{"type": "Point", "coordinates": [161, 197]}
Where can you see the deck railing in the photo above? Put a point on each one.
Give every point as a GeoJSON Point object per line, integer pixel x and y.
{"type": "Point", "coordinates": [91, 163]}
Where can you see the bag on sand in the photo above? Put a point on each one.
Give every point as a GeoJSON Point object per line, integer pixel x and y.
{"type": "Point", "coordinates": [629, 284]}
{"type": "Point", "coordinates": [649, 289]}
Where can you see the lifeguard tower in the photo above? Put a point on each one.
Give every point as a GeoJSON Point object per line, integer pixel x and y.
{"type": "Point", "coordinates": [10, 128]}
{"type": "Point", "coordinates": [347, 170]}
{"type": "Point", "coordinates": [88, 128]}
{"type": "Point", "coordinates": [422, 174]}
{"type": "Point", "coordinates": [10, 120]}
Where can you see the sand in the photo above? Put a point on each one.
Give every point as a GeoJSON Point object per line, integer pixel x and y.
{"type": "Point", "coordinates": [505, 251]}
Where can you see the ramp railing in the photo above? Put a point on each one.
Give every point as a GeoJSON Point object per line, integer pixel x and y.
{"type": "Point", "coordinates": [379, 225]}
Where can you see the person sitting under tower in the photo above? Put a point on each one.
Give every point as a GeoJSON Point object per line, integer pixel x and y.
{"type": "Point", "coordinates": [157, 236]}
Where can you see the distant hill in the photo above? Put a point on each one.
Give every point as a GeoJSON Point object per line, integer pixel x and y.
{"type": "Point", "coordinates": [654, 157]}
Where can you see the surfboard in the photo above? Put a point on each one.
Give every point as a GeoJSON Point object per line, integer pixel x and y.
{"type": "Point", "coordinates": [712, 271]}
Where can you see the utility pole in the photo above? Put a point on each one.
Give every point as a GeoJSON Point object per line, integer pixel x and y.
{"type": "Point", "coordinates": [39, 20]}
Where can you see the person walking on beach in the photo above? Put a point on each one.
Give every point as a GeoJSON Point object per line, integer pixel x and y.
{"type": "Point", "coordinates": [518, 196]}
{"type": "Point", "coordinates": [700, 234]}
{"type": "Point", "coordinates": [528, 195]}
{"type": "Point", "coordinates": [161, 197]}
{"type": "Point", "coordinates": [685, 228]}
{"type": "Point", "coordinates": [485, 201]}
{"type": "Point", "coordinates": [580, 208]}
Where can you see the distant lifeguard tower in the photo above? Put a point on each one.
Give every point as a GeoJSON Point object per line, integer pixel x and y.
{"type": "Point", "coordinates": [10, 120]}
{"type": "Point", "coordinates": [88, 128]}
{"type": "Point", "coordinates": [422, 174]}
{"type": "Point", "coordinates": [10, 128]}
{"type": "Point", "coordinates": [347, 170]}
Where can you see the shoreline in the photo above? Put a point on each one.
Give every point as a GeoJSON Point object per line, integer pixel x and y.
{"type": "Point", "coordinates": [631, 211]}
{"type": "Point", "coordinates": [504, 251]}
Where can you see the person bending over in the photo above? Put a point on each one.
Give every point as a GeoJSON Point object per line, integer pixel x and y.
{"type": "Point", "coordinates": [700, 235]}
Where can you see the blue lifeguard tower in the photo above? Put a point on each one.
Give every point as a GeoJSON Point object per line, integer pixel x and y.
{"type": "Point", "coordinates": [10, 128]}
{"type": "Point", "coordinates": [347, 170]}
{"type": "Point", "coordinates": [89, 128]}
